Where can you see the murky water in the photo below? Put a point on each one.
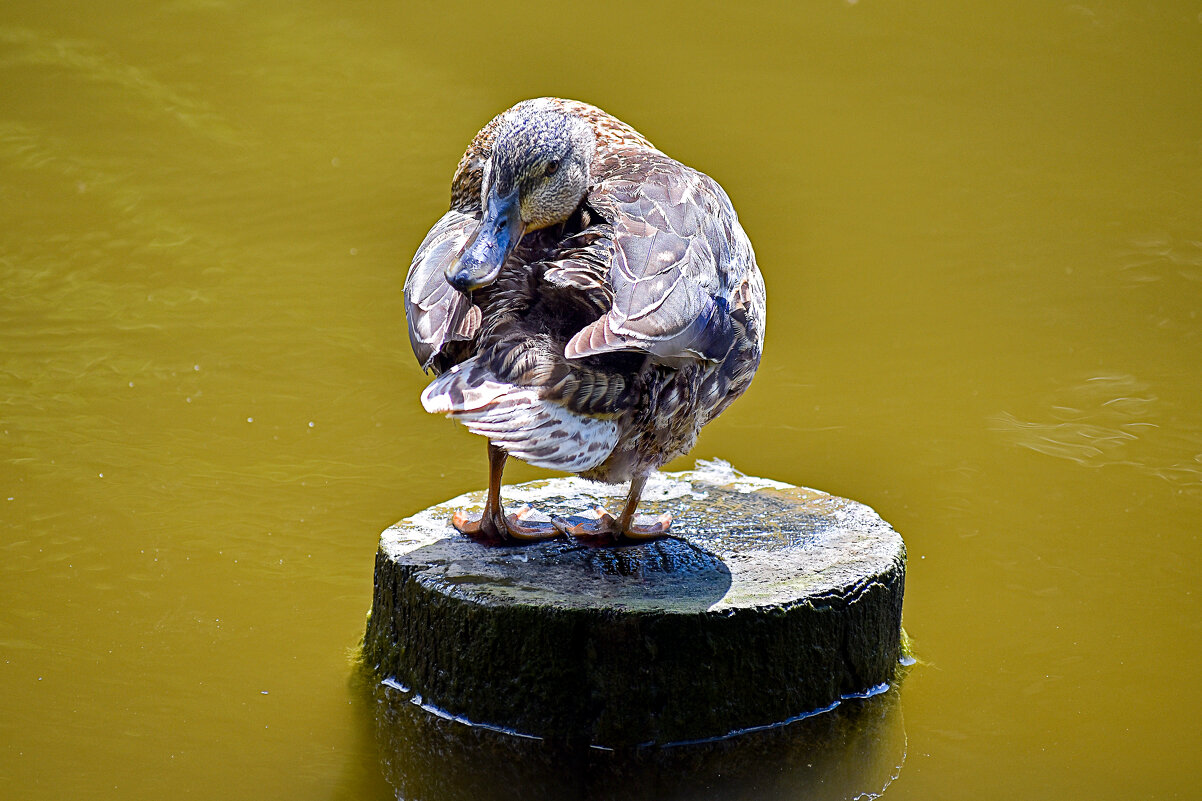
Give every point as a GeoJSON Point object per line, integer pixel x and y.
{"type": "Point", "coordinates": [982, 237]}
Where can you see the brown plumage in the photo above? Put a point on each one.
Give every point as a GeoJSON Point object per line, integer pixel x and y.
{"type": "Point", "coordinates": [588, 304]}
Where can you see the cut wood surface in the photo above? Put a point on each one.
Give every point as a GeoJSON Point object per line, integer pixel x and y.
{"type": "Point", "coordinates": [768, 602]}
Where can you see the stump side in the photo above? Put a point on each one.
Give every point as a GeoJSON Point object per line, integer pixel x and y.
{"type": "Point", "coordinates": [771, 601]}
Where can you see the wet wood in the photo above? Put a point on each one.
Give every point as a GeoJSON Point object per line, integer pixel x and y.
{"type": "Point", "coordinates": [769, 602]}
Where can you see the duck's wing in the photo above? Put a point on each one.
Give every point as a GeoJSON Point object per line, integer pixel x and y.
{"type": "Point", "coordinates": [539, 430]}
{"type": "Point", "coordinates": [677, 261]}
{"type": "Point", "coordinates": [436, 312]}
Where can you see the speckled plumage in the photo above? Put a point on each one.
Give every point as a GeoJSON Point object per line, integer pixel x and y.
{"type": "Point", "coordinates": [607, 341]}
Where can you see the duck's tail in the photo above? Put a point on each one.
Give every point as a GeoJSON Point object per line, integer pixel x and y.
{"type": "Point", "coordinates": [538, 431]}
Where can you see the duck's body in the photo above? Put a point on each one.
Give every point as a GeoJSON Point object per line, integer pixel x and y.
{"type": "Point", "coordinates": [602, 331]}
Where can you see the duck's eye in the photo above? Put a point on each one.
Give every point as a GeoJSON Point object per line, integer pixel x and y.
{"type": "Point", "coordinates": [552, 167]}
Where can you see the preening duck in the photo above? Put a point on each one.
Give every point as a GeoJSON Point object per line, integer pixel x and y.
{"type": "Point", "coordinates": [587, 304]}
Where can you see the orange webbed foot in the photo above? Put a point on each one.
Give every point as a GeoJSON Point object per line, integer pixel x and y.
{"type": "Point", "coordinates": [500, 529]}
{"type": "Point", "coordinates": [598, 527]}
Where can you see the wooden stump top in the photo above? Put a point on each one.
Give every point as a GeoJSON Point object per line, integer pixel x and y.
{"type": "Point", "coordinates": [768, 602]}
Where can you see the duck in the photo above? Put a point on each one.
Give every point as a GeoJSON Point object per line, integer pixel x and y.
{"type": "Point", "coordinates": [587, 304]}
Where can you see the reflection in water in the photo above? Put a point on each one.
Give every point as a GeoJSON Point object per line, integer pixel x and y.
{"type": "Point", "coordinates": [853, 751]}
{"type": "Point", "coordinates": [1113, 420]}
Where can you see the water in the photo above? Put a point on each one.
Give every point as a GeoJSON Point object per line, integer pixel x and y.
{"type": "Point", "coordinates": [982, 240]}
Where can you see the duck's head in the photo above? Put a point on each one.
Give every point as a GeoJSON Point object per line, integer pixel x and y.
{"type": "Point", "coordinates": [536, 176]}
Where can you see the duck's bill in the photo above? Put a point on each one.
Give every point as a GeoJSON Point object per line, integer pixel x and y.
{"type": "Point", "coordinates": [485, 252]}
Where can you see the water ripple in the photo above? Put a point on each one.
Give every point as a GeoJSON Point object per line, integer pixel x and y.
{"type": "Point", "coordinates": [1112, 420]}
{"type": "Point", "coordinates": [1160, 258]}
{"type": "Point", "coordinates": [24, 47]}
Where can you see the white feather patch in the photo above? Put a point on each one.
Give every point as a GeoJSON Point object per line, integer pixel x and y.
{"type": "Point", "coordinates": [539, 432]}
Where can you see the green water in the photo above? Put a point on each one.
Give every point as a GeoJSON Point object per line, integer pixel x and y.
{"type": "Point", "coordinates": [981, 233]}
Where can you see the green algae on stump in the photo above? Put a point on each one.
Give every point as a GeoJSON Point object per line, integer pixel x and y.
{"type": "Point", "coordinates": [768, 602]}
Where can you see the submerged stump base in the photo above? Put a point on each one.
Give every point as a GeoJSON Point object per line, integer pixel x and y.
{"type": "Point", "coordinates": [769, 602]}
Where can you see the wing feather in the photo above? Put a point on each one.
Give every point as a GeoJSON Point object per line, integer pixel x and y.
{"type": "Point", "coordinates": [677, 257]}
{"type": "Point", "coordinates": [540, 432]}
{"type": "Point", "coordinates": [435, 311]}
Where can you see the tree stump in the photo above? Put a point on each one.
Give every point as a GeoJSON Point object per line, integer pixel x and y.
{"type": "Point", "coordinates": [769, 602]}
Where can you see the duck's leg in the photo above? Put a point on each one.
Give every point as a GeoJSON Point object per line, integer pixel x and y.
{"type": "Point", "coordinates": [605, 528]}
{"type": "Point", "coordinates": [494, 526]}
{"type": "Point", "coordinates": [626, 525]}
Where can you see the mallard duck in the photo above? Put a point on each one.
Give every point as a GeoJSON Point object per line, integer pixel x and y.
{"type": "Point", "coordinates": [587, 304]}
